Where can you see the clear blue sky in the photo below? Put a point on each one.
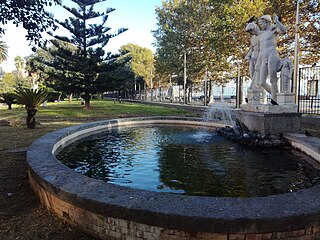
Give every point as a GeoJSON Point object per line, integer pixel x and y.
{"type": "Point", "coordinates": [136, 15]}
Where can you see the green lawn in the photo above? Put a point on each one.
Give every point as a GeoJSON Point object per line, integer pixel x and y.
{"type": "Point", "coordinates": [100, 109]}
{"type": "Point", "coordinates": [63, 114]}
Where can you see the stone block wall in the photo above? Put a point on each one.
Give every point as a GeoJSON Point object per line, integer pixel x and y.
{"type": "Point", "coordinates": [310, 121]}
{"type": "Point", "coordinates": [110, 228]}
{"type": "Point", "coordinates": [266, 123]}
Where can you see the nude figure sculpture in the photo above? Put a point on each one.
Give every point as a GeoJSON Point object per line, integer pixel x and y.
{"type": "Point", "coordinates": [269, 63]}
{"type": "Point", "coordinates": [253, 53]}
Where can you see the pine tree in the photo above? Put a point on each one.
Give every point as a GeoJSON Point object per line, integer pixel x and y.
{"type": "Point", "coordinates": [77, 62]}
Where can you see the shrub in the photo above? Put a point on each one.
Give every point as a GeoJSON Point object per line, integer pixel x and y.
{"type": "Point", "coordinates": [31, 99]}
{"type": "Point", "coordinates": [8, 98]}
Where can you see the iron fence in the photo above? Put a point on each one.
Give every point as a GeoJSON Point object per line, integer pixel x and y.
{"type": "Point", "coordinates": [196, 95]}
{"type": "Point", "coordinates": [308, 90]}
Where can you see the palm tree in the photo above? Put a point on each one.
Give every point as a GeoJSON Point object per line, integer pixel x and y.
{"type": "Point", "coordinates": [31, 99]}
{"type": "Point", "coordinates": [3, 51]}
{"type": "Point", "coordinates": [19, 62]}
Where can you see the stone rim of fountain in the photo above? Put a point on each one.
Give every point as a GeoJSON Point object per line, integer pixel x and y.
{"type": "Point", "coordinates": [276, 213]}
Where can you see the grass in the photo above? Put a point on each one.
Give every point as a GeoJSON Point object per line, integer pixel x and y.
{"type": "Point", "coordinates": [58, 115]}
{"type": "Point", "coordinates": [99, 109]}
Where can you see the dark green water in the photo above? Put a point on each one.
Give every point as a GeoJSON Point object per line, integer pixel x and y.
{"type": "Point", "coordinates": [191, 161]}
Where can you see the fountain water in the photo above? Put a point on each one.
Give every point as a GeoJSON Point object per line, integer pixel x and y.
{"type": "Point", "coordinates": [183, 160]}
{"type": "Point", "coordinates": [220, 114]}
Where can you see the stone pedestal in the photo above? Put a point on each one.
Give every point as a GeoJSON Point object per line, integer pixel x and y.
{"type": "Point", "coordinates": [285, 98]}
{"type": "Point", "coordinates": [268, 108]}
{"type": "Point", "coordinates": [270, 123]}
{"type": "Point", "coordinates": [254, 96]}
{"type": "Point", "coordinates": [268, 118]}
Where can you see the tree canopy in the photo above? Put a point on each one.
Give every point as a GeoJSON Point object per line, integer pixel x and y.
{"type": "Point", "coordinates": [209, 32]}
{"type": "Point", "coordinates": [30, 14]}
{"type": "Point", "coordinates": [212, 34]}
{"type": "Point", "coordinates": [7, 83]}
{"type": "Point", "coordinates": [141, 61]}
{"type": "Point", "coordinates": [309, 18]}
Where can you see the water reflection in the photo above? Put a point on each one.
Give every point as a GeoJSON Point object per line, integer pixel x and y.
{"type": "Point", "coordinates": [188, 160]}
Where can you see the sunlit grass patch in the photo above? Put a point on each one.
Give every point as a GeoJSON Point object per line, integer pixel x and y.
{"type": "Point", "coordinates": [58, 115]}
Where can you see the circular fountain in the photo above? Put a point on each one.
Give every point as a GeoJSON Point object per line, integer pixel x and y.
{"type": "Point", "coordinates": [109, 210]}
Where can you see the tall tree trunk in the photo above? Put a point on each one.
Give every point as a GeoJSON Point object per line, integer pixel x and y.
{"type": "Point", "coordinates": [70, 97]}
{"type": "Point", "coordinates": [119, 96]}
{"type": "Point", "coordinates": [30, 120]}
{"type": "Point", "coordinates": [86, 98]}
{"type": "Point", "coordinates": [9, 106]}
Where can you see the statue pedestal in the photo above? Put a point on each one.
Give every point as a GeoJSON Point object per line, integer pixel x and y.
{"type": "Point", "coordinates": [285, 98]}
{"type": "Point", "coordinates": [268, 108]}
{"type": "Point", "coordinates": [271, 122]}
{"type": "Point", "coordinates": [273, 119]}
{"type": "Point", "coordinates": [254, 96]}
{"type": "Point", "coordinates": [285, 101]}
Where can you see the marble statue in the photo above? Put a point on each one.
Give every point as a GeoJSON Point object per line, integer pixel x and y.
{"type": "Point", "coordinates": [268, 57]}
{"type": "Point", "coordinates": [255, 91]}
{"type": "Point", "coordinates": [263, 57]}
{"type": "Point", "coordinates": [286, 67]}
{"type": "Point", "coordinates": [265, 64]}
{"type": "Point", "coordinates": [253, 53]}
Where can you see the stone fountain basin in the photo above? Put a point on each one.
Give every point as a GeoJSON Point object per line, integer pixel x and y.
{"type": "Point", "coordinates": [106, 210]}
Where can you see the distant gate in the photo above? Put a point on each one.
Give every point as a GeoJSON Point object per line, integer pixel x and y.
{"type": "Point", "coordinates": [308, 91]}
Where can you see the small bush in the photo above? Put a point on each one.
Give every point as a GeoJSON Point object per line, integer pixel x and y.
{"type": "Point", "coordinates": [8, 98]}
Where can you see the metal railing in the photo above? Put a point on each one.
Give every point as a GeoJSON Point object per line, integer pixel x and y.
{"type": "Point", "coordinates": [308, 90]}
